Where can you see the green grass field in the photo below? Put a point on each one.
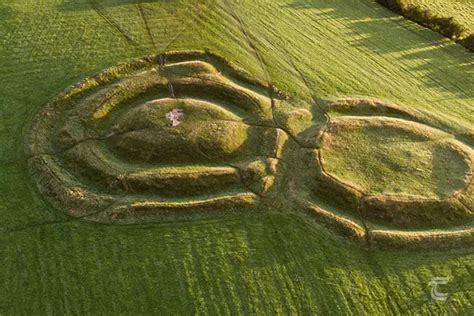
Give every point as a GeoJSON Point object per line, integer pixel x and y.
{"type": "Point", "coordinates": [270, 260]}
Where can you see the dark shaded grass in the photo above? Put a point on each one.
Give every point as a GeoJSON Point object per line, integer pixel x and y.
{"type": "Point", "coordinates": [446, 26]}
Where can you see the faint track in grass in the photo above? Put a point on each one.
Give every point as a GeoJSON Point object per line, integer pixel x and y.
{"type": "Point", "coordinates": [253, 47]}
{"type": "Point", "coordinates": [105, 16]}
{"type": "Point", "coordinates": [147, 27]}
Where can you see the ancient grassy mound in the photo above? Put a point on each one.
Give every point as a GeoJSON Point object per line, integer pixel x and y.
{"type": "Point", "coordinates": [385, 175]}
{"type": "Point", "coordinates": [188, 132]}
{"type": "Point", "coordinates": [109, 148]}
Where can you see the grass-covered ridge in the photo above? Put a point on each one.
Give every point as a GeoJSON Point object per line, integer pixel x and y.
{"type": "Point", "coordinates": [257, 262]}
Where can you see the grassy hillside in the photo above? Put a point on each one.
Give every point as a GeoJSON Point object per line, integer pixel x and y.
{"type": "Point", "coordinates": [276, 260]}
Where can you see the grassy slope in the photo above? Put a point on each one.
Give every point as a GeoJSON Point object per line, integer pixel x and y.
{"type": "Point", "coordinates": [258, 263]}
{"type": "Point", "coordinates": [461, 10]}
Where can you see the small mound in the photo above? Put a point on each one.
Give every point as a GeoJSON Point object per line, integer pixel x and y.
{"type": "Point", "coordinates": [390, 156]}
{"type": "Point", "coordinates": [206, 132]}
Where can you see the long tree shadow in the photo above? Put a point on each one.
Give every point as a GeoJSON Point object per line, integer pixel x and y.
{"type": "Point", "coordinates": [372, 27]}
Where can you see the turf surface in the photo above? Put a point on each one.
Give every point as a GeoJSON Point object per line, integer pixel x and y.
{"type": "Point", "coordinates": [263, 262]}
{"type": "Point", "coordinates": [461, 10]}
{"type": "Point", "coordinates": [383, 158]}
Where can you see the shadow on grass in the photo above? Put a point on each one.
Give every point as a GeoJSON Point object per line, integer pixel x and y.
{"type": "Point", "coordinates": [6, 12]}
{"type": "Point", "coordinates": [375, 28]}
{"type": "Point", "coordinates": [6, 16]}
{"type": "Point", "coordinates": [82, 5]}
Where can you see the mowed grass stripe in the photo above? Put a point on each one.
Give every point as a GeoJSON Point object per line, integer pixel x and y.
{"type": "Point", "coordinates": [211, 247]}
{"type": "Point", "coordinates": [210, 29]}
{"type": "Point", "coordinates": [229, 268]}
{"type": "Point", "coordinates": [402, 54]}
{"type": "Point", "coordinates": [410, 286]}
{"type": "Point", "coordinates": [387, 66]}
{"type": "Point", "coordinates": [65, 28]}
{"type": "Point", "coordinates": [329, 37]}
